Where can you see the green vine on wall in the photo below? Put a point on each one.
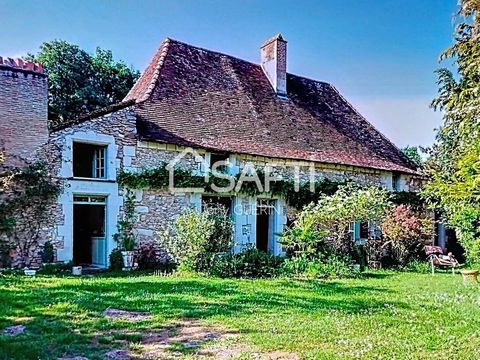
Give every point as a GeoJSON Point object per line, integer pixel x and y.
{"type": "Point", "coordinates": [158, 178]}
{"type": "Point", "coordinates": [25, 197]}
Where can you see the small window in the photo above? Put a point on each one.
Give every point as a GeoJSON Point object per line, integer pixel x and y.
{"type": "Point", "coordinates": [89, 161]}
{"type": "Point", "coordinates": [396, 182]}
{"type": "Point", "coordinates": [221, 203]}
{"type": "Point", "coordinates": [352, 229]}
{"type": "Point", "coordinates": [364, 230]}
{"type": "Point", "coordinates": [89, 199]}
{"type": "Point", "coordinates": [214, 158]}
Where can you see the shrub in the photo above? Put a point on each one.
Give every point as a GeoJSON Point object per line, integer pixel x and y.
{"type": "Point", "coordinates": [48, 253]}
{"type": "Point", "coordinates": [196, 238]}
{"type": "Point", "coordinates": [406, 233]}
{"type": "Point", "coordinates": [419, 266]}
{"type": "Point", "coordinates": [250, 263]}
{"type": "Point", "coordinates": [306, 236]}
{"type": "Point", "coordinates": [320, 267]}
{"type": "Point", "coordinates": [147, 257]}
{"type": "Point", "coordinates": [116, 259]}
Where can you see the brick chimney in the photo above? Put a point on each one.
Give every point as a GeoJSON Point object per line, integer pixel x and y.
{"type": "Point", "coordinates": [274, 63]}
{"type": "Point", "coordinates": [23, 110]}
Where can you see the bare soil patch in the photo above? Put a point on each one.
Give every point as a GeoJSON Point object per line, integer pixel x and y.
{"type": "Point", "coordinates": [132, 316]}
{"type": "Point", "coordinates": [14, 330]}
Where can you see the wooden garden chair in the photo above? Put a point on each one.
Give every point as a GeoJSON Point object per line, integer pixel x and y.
{"type": "Point", "coordinates": [436, 257]}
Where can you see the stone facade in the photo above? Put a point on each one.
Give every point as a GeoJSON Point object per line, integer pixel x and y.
{"type": "Point", "coordinates": [156, 208]}
{"type": "Point", "coordinates": [23, 110]}
{"type": "Point", "coordinates": [117, 132]}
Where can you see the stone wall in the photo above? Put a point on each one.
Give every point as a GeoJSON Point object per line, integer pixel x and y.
{"type": "Point", "coordinates": [23, 110]}
{"type": "Point", "coordinates": [158, 208]}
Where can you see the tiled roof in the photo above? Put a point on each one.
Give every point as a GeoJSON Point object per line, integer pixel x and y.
{"type": "Point", "coordinates": [145, 85]}
{"type": "Point", "coordinates": [200, 98]}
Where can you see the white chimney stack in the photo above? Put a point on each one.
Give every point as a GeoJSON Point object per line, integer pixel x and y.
{"type": "Point", "coordinates": [274, 63]}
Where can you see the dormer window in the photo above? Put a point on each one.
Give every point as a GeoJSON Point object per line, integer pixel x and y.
{"type": "Point", "coordinates": [221, 159]}
{"type": "Point", "coordinates": [89, 160]}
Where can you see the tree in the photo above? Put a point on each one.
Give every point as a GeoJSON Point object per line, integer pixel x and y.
{"type": "Point", "coordinates": [413, 153]}
{"type": "Point", "coordinates": [454, 165]}
{"type": "Point", "coordinates": [79, 82]}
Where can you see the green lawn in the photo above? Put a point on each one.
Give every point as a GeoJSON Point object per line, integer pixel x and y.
{"type": "Point", "coordinates": [382, 316]}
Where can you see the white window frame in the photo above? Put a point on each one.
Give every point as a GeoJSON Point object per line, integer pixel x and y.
{"type": "Point", "coordinates": [90, 137]}
{"type": "Point", "coordinates": [99, 163]}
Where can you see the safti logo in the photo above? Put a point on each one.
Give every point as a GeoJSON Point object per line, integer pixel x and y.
{"type": "Point", "coordinates": [249, 173]}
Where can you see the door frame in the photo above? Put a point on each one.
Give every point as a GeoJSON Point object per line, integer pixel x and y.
{"type": "Point", "coordinates": [272, 223]}
{"type": "Point", "coordinates": [89, 197]}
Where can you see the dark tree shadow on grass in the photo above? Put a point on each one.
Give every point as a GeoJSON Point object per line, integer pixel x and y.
{"type": "Point", "coordinates": [66, 317]}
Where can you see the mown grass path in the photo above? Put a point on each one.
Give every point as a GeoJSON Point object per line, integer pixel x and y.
{"type": "Point", "coordinates": [385, 315]}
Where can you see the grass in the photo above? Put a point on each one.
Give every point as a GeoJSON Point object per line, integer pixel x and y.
{"type": "Point", "coordinates": [385, 315]}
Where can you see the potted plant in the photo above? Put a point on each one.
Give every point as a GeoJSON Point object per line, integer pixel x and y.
{"type": "Point", "coordinates": [125, 237]}
{"type": "Point", "coordinates": [128, 247]}
{"type": "Point", "coordinates": [126, 244]}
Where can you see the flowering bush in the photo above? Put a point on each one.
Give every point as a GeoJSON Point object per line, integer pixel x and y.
{"type": "Point", "coordinates": [406, 233]}
{"type": "Point", "coordinates": [327, 223]}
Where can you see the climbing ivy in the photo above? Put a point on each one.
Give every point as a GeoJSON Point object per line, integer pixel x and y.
{"type": "Point", "coordinates": [25, 197]}
{"type": "Point", "coordinates": [158, 178]}
{"type": "Point", "coordinates": [125, 237]}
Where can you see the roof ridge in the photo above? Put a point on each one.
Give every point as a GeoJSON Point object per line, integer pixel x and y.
{"type": "Point", "coordinates": [163, 49]}
{"type": "Point", "coordinates": [215, 52]}
{"type": "Point", "coordinates": [165, 46]}
{"type": "Point", "coordinates": [247, 61]}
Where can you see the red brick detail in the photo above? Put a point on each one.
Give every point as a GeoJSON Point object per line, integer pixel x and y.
{"type": "Point", "coordinates": [20, 64]}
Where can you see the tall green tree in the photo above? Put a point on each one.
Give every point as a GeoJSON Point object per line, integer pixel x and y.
{"type": "Point", "coordinates": [413, 153]}
{"type": "Point", "coordinates": [79, 82]}
{"type": "Point", "coordinates": [454, 165]}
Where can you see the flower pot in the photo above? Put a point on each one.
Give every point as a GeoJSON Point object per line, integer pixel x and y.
{"type": "Point", "coordinates": [77, 270]}
{"type": "Point", "coordinates": [127, 260]}
{"type": "Point", "coordinates": [29, 272]}
{"type": "Point", "coordinates": [469, 277]}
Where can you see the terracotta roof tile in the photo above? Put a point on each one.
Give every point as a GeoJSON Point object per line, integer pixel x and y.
{"type": "Point", "coordinates": [196, 97]}
{"type": "Point", "coordinates": [145, 85]}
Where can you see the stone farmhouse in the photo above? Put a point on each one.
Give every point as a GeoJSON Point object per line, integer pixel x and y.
{"type": "Point", "coordinates": [194, 107]}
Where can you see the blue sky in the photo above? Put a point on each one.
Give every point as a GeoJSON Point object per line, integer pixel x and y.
{"type": "Point", "coordinates": [381, 54]}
